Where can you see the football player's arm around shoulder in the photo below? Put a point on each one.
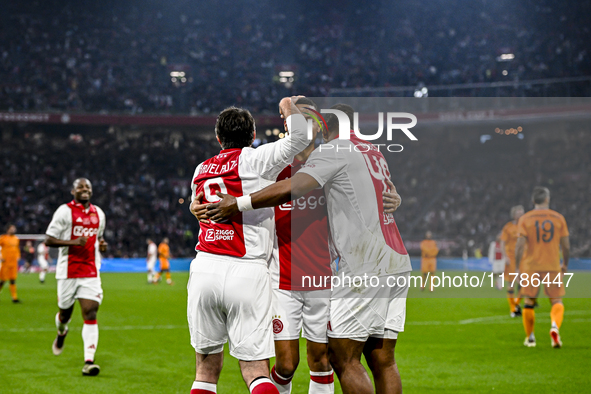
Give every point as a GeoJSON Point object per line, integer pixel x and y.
{"type": "Point", "coordinates": [320, 167]}
{"type": "Point", "coordinates": [270, 159]}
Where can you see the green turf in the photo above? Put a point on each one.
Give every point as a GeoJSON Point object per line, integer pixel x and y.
{"type": "Point", "coordinates": [450, 345]}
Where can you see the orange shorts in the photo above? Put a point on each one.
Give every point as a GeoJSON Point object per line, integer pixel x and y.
{"type": "Point", "coordinates": [9, 271]}
{"type": "Point", "coordinates": [534, 282]}
{"type": "Point", "coordinates": [428, 266]}
{"type": "Point", "coordinates": [164, 265]}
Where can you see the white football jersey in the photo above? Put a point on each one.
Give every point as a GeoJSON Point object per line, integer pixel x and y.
{"type": "Point", "coordinates": [152, 252]}
{"type": "Point", "coordinates": [366, 240]}
{"type": "Point", "coordinates": [42, 252]}
{"type": "Point", "coordinates": [71, 221]}
{"type": "Point", "coordinates": [249, 235]}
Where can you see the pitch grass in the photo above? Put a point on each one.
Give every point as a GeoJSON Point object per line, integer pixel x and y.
{"type": "Point", "coordinates": [450, 345]}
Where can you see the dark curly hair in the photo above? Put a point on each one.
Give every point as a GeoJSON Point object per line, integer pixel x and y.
{"type": "Point", "coordinates": [235, 128]}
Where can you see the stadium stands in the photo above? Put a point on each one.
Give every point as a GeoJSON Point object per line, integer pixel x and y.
{"type": "Point", "coordinates": [139, 176]}
{"type": "Point", "coordinates": [58, 55]}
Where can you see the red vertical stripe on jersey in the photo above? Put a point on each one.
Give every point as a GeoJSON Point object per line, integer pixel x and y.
{"type": "Point", "coordinates": [81, 259]}
{"type": "Point", "coordinates": [302, 237]}
{"type": "Point", "coordinates": [378, 169]}
{"type": "Point", "coordinates": [498, 251]}
{"type": "Point", "coordinates": [220, 174]}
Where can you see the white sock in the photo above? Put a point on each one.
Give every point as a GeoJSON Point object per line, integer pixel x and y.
{"type": "Point", "coordinates": [150, 276]}
{"type": "Point", "coordinates": [90, 336]}
{"type": "Point", "coordinates": [321, 383]}
{"type": "Point", "coordinates": [204, 386]}
{"type": "Point", "coordinates": [42, 275]}
{"type": "Point", "coordinates": [283, 384]}
{"type": "Point", "coordinates": [266, 385]}
{"type": "Point", "coordinates": [61, 327]}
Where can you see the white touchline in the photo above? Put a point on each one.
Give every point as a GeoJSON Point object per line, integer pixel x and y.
{"type": "Point", "coordinates": [101, 328]}
{"type": "Point", "coordinates": [497, 319]}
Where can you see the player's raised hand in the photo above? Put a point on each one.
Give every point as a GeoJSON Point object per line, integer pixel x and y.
{"type": "Point", "coordinates": [80, 241]}
{"type": "Point", "coordinates": [103, 245]}
{"type": "Point", "coordinates": [392, 199]}
{"type": "Point", "coordinates": [198, 209]}
{"type": "Point", "coordinates": [287, 106]}
{"type": "Point", "coordinates": [224, 209]}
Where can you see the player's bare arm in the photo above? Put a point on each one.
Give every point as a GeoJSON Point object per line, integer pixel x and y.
{"type": "Point", "coordinates": [565, 245]}
{"type": "Point", "coordinates": [271, 196]}
{"type": "Point", "coordinates": [392, 199]}
{"type": "Point", "coordinates": [519, 249]}
{"type": "Point", "coordinates": [103, 245]}
{"type": "Point", "coordinates": [51, 241]}
{"type": "Point", "coordinates": [198, 209]}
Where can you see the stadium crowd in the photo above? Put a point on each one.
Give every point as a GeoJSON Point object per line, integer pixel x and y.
{"type": "Point", "coordinates": [139, 177]}
{"type": "Point", "coordinates": [61, 55]}
{"type": "Point", "coordinates": [137, 180]}
{"type": "Point", "coordinates": [463, 194]}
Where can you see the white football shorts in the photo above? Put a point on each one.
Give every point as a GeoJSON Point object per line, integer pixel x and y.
{"type": "Point", "coordinates": [229, 300]}
{"type": "Point", "coordinates": [69, 290]}
{"type": "Point", "coordinates": [378, 312]}
{"type": "Point", "coordinates": [498, 267]}
{"type": "Point", "coordinates": [151, 264]}
{"type": "Point", "coordinates": [293, 310]}
{"type": "Point", "coordinates": [43, 264]}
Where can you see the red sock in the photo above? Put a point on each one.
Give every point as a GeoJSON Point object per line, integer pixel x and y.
{"type": "Point", "coordinates": [263, 386]}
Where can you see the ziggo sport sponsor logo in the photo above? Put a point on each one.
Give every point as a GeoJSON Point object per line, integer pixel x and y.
{"type": "Point", "coordinates": [212, 235]}
{"type": "Point", "coordinates": [80, 231]}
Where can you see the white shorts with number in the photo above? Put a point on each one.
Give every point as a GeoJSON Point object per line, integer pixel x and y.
{"type": "Point", "coordinates": [151, 264]}
{"type": "Point", "coordinates": [378, 312]}
{"type": "Point", "coordinates": [229, 300]}
{"type": "Point", "coordinates": [293, 310]}
{"type": "Point", "coordinates": [69, 290]}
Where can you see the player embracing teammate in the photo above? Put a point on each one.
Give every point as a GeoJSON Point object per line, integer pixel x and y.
{"type": "Point", "coordinates": [363, 319]}
{"type": "Point", "coordinates": [77, 229]}
{"type": "Point", "coordinates": [229, 289]}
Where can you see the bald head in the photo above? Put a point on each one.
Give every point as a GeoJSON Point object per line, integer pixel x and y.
{"type": "Point", "coordinates": [77, 181]}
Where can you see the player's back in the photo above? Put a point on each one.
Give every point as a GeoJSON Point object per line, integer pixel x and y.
{"type": "Point", "coordinates": [543, 229]}
{"type": "Point", "coordinates": [248, 234]}
{"type": "Point", "coordinates": [509, 237]}
{"type": "Point", "coordinates": [241, 171]}
{"type": "Point", "coordinates": [353, 174]}
{"type": "Point", "coordinates": [429, 249]}
{"type": "Point", "coordinates": [163, 251]}
{"type": "Point", "coordinates": [10, 251]}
